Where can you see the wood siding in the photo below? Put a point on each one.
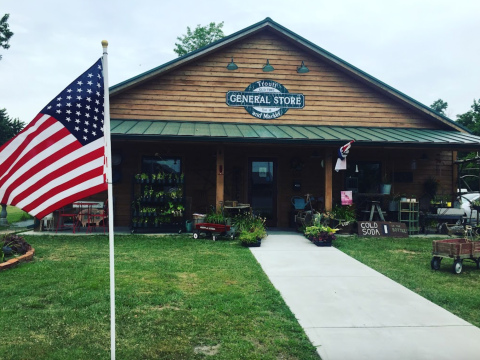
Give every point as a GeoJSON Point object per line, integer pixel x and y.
{"type": "Point", "coordinates": [196, 92]}
{"type": "Point", "coordinates": [199, 164]}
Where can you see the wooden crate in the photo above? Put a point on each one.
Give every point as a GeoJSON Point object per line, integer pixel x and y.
{"type": "Point", "coordinates": [456, 248]}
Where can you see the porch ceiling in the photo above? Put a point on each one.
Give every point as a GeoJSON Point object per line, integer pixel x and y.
{"type": "Point", "coordinates": [327, 135]}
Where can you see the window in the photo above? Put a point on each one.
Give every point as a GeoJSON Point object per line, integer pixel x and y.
{"type": "Point", "coordinates": [366, 180]}
{"type": "Point", "coordinates": [154, 165]}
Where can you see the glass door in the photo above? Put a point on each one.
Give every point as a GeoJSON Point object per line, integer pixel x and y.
{"type": "Point", "coordinates": [262, 190]}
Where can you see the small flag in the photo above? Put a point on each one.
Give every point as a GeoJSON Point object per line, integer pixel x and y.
{"type": "Point", "coordinates": [59, 157]}
{"type": "Point", "coordinates": [344, 150]}
{"type": "Point", "coordinates": [342, 156]}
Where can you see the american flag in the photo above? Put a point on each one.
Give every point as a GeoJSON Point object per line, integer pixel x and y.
{"type": "Point", "coordinates": [59, 157]}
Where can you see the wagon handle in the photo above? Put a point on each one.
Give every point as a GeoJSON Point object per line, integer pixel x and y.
{"type": "Point", "coordinates": [468, 229]}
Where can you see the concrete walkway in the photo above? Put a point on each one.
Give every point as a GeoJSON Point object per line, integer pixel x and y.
{"type": "Point", "coordinates": [353, 312]}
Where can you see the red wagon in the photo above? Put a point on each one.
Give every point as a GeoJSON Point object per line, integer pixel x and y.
{"type": "Point", "coordinates": [214, 230]}
{"type": "Point", "coordinates": [456, 249]}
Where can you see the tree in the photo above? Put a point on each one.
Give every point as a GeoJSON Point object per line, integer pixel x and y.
{"type": "Point", "coordinates": [439, 106]}
{"type": "Point", "coordinates": [471, 119]}
{"type": "Point", "coordinates": [200, 37]}
{"type": "Point", "coordinates": [9, 127]}
{"type": "Point", "coordinates": [5, 33]}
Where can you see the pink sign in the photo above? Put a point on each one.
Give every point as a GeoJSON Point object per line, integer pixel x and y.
{"type": "Point", "coordinates": [347, 198]}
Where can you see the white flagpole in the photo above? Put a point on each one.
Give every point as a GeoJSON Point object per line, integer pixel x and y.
{"type": "Point", "coordinates": [108, 155]}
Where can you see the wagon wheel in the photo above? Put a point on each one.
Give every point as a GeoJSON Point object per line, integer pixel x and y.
{"type": "Point", "coordinates": [457, 266]}
{"type": "Point", "coordinates": [196, 234]}
{"type": "Point", "coordinates": [435, 263]}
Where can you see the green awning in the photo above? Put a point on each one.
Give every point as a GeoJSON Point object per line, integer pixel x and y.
{"type": "Point", "coordinates": [328, 135]}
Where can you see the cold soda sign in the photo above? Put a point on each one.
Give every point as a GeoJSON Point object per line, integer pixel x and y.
{"type": "Point", "coordinates": [382, 229]}
{"type": "Point", "coordinates": [265, 99]}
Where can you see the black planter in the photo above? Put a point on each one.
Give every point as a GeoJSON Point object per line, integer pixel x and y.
{"type": "Point", "coordinates": [255, 244]}
{"type": "Point", "coordinates": [323, 243]}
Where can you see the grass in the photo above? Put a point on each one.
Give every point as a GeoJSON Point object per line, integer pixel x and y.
{"type": "Point", "coordinates": [407, 261]}
{"type": "Point", "coordinates": [173, 294]}
{"type": "Point", "coordinates": [14, 215]}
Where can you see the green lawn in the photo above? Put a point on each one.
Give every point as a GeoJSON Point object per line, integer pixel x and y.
{"type": "Point", "coordinates": [407, 261]}
{"type": "Point", "coordinates": [14, 214]}
{"type": "Point", "coordinates": [173, 294]}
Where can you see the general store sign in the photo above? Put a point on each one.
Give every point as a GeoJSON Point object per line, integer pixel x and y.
{"type": "Point", "coordinates": [382, 229]}
{"type": "Point", "coordinates": [265, 99]}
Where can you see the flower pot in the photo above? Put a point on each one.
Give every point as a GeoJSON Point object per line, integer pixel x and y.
{"type": "Point", "coordinates": [385, 189]}
{"type": "Point", "coordinates": [323, 243]}
{"type": "Point", "coordinates": [393, 206]}
{"type": "Point", "coordinates": [255, 244]}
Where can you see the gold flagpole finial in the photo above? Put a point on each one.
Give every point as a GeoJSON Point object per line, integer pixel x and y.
{"type": "Point", "coordinates": [104, 43]}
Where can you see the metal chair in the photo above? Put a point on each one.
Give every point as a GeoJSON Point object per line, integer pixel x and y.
{"type": "Point", "coordinates": [67, 213]}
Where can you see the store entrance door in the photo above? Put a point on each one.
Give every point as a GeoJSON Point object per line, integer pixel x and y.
{"type": "Point", "coordinates": [262, 189]}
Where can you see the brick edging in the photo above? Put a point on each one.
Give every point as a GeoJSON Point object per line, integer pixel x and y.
{"type": "Point", "coordinates": [28, 256]}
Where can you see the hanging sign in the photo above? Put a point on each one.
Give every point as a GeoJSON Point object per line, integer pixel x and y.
{"type": "Point", "coordinates": [382, 229]}
{"type": "Point", "coordinates": [265, 99]}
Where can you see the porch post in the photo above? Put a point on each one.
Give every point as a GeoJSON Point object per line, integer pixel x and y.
{"type": "Point", "coordinates": [220, 170]}
{"type": "Point", "coordinates": [455, 177]}
{"type": "Point", "coordinates": [3, 216]}
{"type": "Point", "coordinates": [328, 179]}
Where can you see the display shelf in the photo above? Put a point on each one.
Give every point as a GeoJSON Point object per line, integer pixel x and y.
{"type": "Point", "coordinates": [158, 205]}
{"type": "Point", "coordinates": [408, 213]}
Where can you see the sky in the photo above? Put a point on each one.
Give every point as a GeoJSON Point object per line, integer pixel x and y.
{"type": "Point", "coordinates": [425, 49]}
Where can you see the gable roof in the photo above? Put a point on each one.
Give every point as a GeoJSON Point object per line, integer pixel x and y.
{"type": "Point", "coordinates": [289, 35]}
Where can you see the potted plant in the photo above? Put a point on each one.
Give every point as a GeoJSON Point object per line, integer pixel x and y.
{"type": "Point", "coordinates": [475, 204]}
{"type": "Point", "coordinates": [137, 178]}
{"type": "Point", "coordinates": [343, 218]}
{"type": "Point", "coordinates": [157, 221]}
{"type": "Point", "coordinates": [182, 178]}
{"type": "Point", "coordinates": [135, 222]}
{"type": "Point", "coordinates": [320, 235]}
{"type": "Point", "coordinates": [250, 229]}
{"type": "Point", "coordinates": [431, 186]}
{"type": "Point", "coordinates": [413, 198]}
{"type": "Point", "coordinates": [403, 197]}
{"type": "Point", "coordinates": [144, 178]}
{"type": "Point", "coordinates": [161, 177]}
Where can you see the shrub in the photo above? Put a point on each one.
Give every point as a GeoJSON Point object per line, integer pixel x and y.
{"type": "Point", "coordinates": [249, 228]}
{"type": "Point", "coordinates": [17, 243]}
{"type": "Point", "coordinates": [214, 218]}
{"type": "Point", "coordinates": [320, 233]}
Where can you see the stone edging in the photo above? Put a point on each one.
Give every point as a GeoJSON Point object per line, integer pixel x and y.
{"type": "Point", "coordinates": [28, 256]}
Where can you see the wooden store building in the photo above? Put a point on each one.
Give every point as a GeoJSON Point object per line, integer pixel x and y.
{"type": "Point", "coordinates": [258, 118]}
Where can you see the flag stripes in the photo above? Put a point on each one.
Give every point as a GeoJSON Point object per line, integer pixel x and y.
{"type": "Point", "coordinates": [60, 156]}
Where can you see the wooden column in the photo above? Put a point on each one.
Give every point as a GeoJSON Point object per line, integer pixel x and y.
{"type": "Point", "coordinates": [220, 176]}
{"type": "Point", "coordinates": [328, 167]}
{"type": "Point", "coordinates": [455, 176]}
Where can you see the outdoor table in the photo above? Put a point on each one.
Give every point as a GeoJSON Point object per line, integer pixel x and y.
{"type": "Point", "coordinates": [88, 215]}
{"type": "Point", "coordinates": [239, 209]}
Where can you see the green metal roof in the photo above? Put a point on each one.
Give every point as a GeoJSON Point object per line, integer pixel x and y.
{"type": "Point", "coordinates": [327, 135]}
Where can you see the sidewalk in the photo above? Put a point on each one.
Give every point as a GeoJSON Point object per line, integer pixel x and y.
{"type": "Point", "coordinates": [353, 312]}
